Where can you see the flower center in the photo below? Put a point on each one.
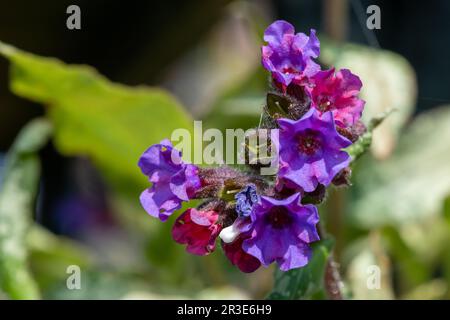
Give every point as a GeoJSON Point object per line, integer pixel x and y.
{"type": "Point", "coordinates": [324, 104]}
{"type": "Point", "coordinates": [278, 217]}
{"type": "Point", "coordinates": [309, 142]}
{"type": "Point", "coordinates": [246, 199]}
{"type": "Point", "coordinates": [288, 70]}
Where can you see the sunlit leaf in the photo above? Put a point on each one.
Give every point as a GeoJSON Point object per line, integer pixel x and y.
{"type": "Point", "coordinates": [369, 272]}
{"type": "Point", "coordinates": [17, 195]}
{"type": "Point", "coordinates": [447, 210]}
{"type": "Point", "coordinates": [241, 105]}
{"type": "Point", "coordinates": [433, 290]}
{"type": "Point", "coordinates": [388, 83]}
{"type": "Point", "coordinates": [412, 265]}
{"type": "Point", "coordinates": [94, 285]}
{"type": "Point", "coordinates": [413, 183]}
{"type": "Point", "coordinates": [51, 255]}
{"type": "Point", "coordinates": [364, 142]}
{"type": "Point", "coordinates": [111, 123]}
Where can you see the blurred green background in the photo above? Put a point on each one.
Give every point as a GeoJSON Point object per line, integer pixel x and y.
{"type": "Point", "coordinates": [72, 130]}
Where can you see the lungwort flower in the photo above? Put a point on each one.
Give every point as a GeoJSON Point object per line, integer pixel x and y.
{"type": "Point", "coordinates": [238, 257]}
{"type": "Point", "coordinates": [289, 56]}
{"type": "Point", "coordinates": [311, 150]}
{"type": "Point", "coordinates": [173, 181]}
{"type": "Point", "coordinates": [260, 219]}
{"type": "Point", "coordinates": [281, 231]}
{"type": "Point", "coordinates": [338, 93]}
{"type": "Point", "coordinates": [198, 230]}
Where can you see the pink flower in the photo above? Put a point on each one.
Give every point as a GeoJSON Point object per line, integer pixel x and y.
{"type": "Point", "coordinates": [238, 257]}
{"type": "Point", "coordinates": [198, 230]}
{"type": "Point", "coordinates": [338, 93]}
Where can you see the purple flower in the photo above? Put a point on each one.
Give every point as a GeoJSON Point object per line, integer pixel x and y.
{"type": "Point", "coordinates": [338, 93]}
{"type": "Point", "coordinates": [281, 231]}
{"type": "Point", "coordinates": [245, 200]}
{"type": "Point", "coordinates": [173, 180]}
{"type": "Point", "coordinates": [311, 150]}
{"type": "Point", "coordinates": [288, 56]}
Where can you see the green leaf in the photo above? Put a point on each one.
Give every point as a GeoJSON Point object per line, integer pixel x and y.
{"type": "Point", "coordinates": [364, 142]}
{"type": "Point", "coordinates": [241, 105]}
{"type": "Point", "coordinates": [94, 286]}
{"type": "Point", "coordinates": [435, 289]}
{"type": "Point", "coordinates": [369, 272]}
{"type": "Point", "coordinates": [389, 82]}
{"type": "Point", "coordinates": [111, 123]}
{"type": "Point", "coordinates": [407, 258]}
{"type": "Point", "coordinates": [17, 196]}
{"type": "Point", "coordinates": [447, 210]}
{"type": "Point", "coordinates": [306, 282]}
{"type": "Point", "coordinates": [50, 255]}
{"type": "Point", "coordinates": [412, 184]}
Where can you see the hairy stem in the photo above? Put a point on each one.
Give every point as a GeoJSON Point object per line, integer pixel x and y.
{"type": "Point", "coordinates": [332, 278]}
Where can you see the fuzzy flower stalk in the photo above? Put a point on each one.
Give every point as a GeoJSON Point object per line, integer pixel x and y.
{"type": "Point", "coordinates": [264, 219]}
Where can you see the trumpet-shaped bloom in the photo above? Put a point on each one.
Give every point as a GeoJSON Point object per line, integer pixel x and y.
{"type": "Point", "coordinates": [238, 257]}
{"type": "Point", "coordinates": [173, 181]}
{"type": "Point", "coordinates": [338, 93]}
{"type": "Point", "coordinates": [198, 230]}
{"type": "Point", "coordinates": [289, 56]}
{"type": "Point", "coordinates": [281, 231]}
{"type": "Point", "coordinates": [311, 150]}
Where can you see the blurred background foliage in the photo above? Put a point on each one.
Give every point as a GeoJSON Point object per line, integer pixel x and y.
{"type": "Point", "coordinates": [69, 183]}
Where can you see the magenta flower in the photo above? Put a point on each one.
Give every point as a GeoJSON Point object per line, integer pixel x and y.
{"type": "Point", "coordinates": [238, 257]}
{"type": "Point", "coordinates": [198, 230]}
{"type": "Point", "coordinates": [310, 150]}
{"type": "Point", "coordinates": [173, 181]}
{"type": "Point", "coordinates": [338, 93]}
{"type": "Point", "coordinates": [282, 231]}
{"type": "Point", "coordinates": [288, 56]}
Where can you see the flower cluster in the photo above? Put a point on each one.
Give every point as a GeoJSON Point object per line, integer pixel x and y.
{"type": "Point", "coordinates": [266, 219]}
